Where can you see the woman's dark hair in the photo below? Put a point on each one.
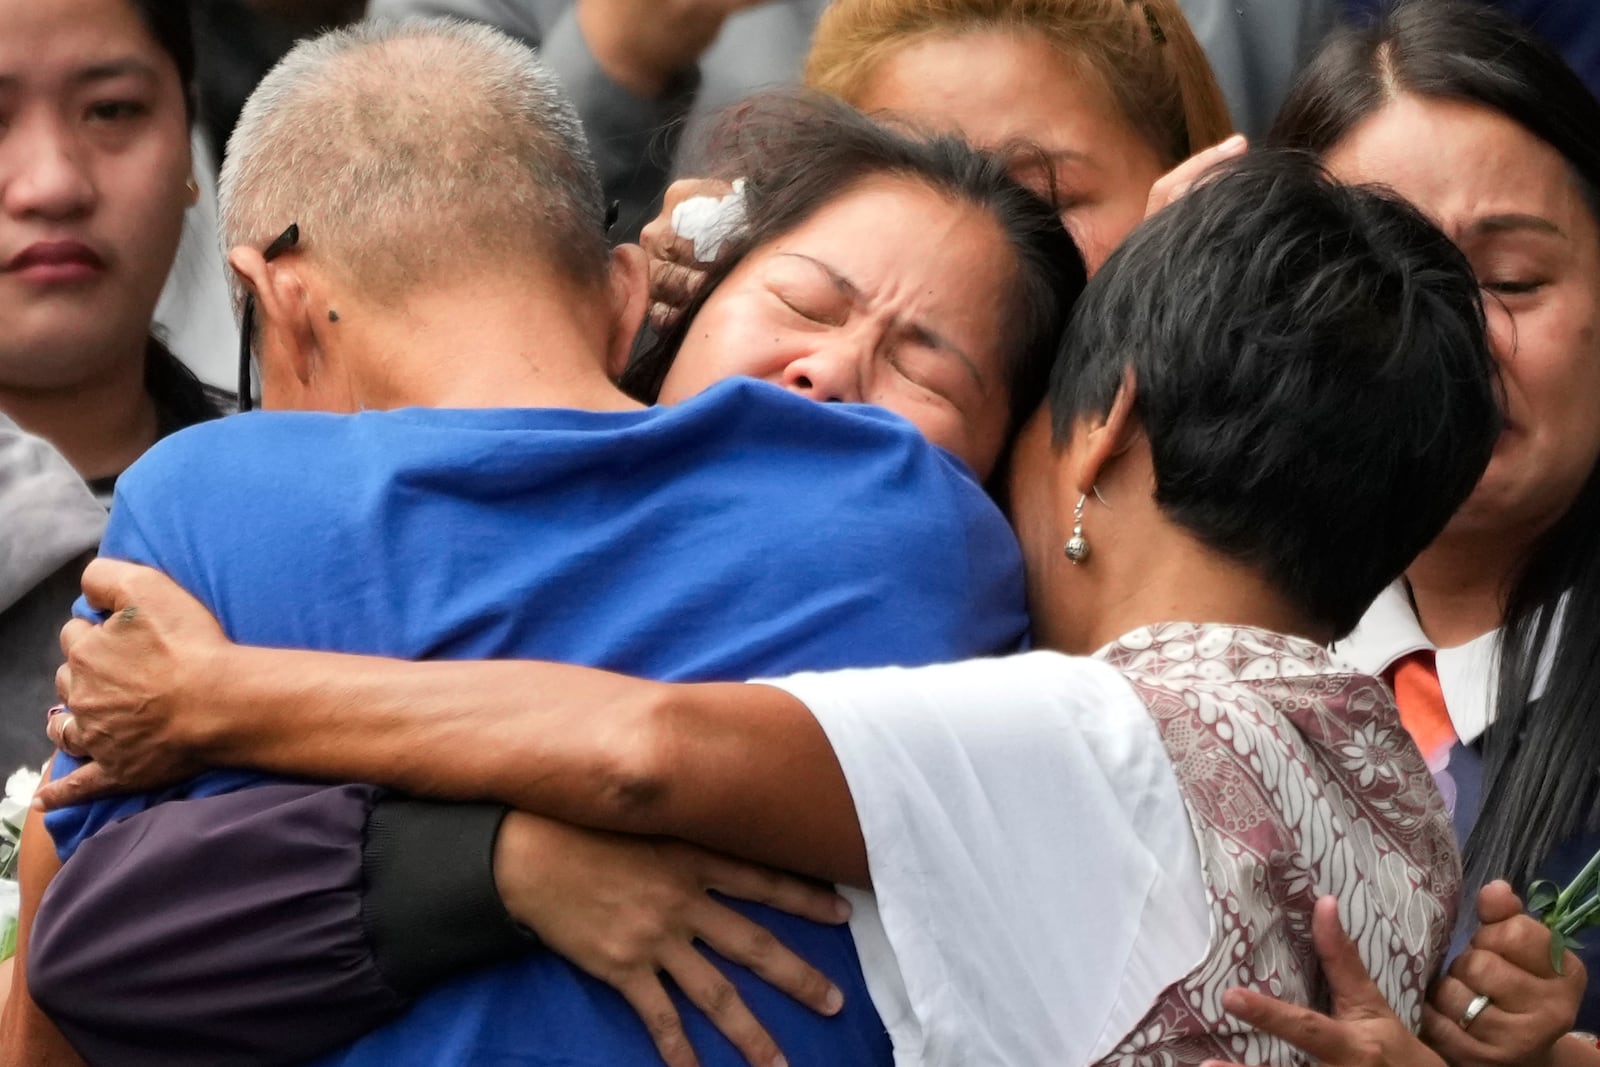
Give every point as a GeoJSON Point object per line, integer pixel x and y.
{"type": "Point", "coordinates": [1310, 368]}
{"type": "Point", "coordinates": [798, 152]}
{"type": "Point", "coordinates": [1541, 756]}
{"type": "Point", "coordinates": [171, 23]}
{"type": "Point", "coordinates": [181, 398]}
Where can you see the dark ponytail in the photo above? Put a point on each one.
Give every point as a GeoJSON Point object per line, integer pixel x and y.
{"type": "Point", "coordinates": [181, 398]}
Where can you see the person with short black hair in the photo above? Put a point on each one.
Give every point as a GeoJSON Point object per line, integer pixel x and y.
{"type": "Point", "coordinates": [1336, 308]}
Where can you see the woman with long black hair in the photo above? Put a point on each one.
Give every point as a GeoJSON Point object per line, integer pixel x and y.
{"type": "Point", "coordinates": [1492, 639]}
{"type": "Point", "coordinates": [95, 178]}
{"type": "Point", "coordinates": [96, 108]}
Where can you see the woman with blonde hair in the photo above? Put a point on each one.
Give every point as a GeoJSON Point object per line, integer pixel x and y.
{"type": "Point", "coordinates": [1116, 93]}
{"type": "Point", "coordinates": [1113, 93]}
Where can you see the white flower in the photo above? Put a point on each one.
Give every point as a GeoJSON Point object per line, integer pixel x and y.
{"type": "Point", "coordinates": [20, 788]}
{"type": "Point", "coordinates": [1369, 755]}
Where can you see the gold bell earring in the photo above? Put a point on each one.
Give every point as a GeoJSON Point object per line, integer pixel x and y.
{"type": "Point", "coordinates": [1077, 548]}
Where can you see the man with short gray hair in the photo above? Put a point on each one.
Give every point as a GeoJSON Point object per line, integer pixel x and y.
{"type": "Point", "coordinates": [423, 167]}
{"type": "Point", "coordinates": [411, 149]}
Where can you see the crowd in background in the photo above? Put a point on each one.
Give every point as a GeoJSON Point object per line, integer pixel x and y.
{"type": "Point", "coordinates": [1241, 357]}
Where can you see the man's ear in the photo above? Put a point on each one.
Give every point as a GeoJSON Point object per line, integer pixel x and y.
{"type": "Point", "coordinates": [629, 289]}
{"type": "Point", "coordinates": [283, 309]}
{"type": "Point", "coordinates": [1106, 438]}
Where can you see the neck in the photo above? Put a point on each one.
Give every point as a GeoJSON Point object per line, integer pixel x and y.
{"type": "Point", "coordinates": [510, 341]}
{"type": "Point", "coordinates": [120, 423]}
{"type": "Point", "coordinates": [1144, 570]}
{"type": "Point", "coordinates": [1459, 585]}
{"type": "Point", "coordinates": [1187, 582]}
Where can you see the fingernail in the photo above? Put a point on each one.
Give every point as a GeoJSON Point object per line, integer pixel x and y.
{"type": "Point", "coordinates": [779, 1061]}
{"type": "Point", "coordinates": [833, 1001]}
{"type": "Point", "coordinates": [1232, 144]}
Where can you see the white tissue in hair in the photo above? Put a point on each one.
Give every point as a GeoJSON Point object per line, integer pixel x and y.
{"type": "Point", "coordinates": [709, 221]}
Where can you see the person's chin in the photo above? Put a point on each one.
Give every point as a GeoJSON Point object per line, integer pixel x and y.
{"type": "Point", "coordinates": [1509, 494]}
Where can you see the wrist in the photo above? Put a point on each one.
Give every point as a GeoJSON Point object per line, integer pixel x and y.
{"type": "Point", "coordinates": [429, 905]}
{"type": "Point", "coordinates": [207, 700]}
{"type": "Point", "coordinates": [517, 852]}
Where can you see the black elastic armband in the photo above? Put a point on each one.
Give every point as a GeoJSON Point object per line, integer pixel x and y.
{"type": "Point", "coordinates": [430, 907]}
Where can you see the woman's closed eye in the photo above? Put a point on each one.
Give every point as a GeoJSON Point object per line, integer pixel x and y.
{"type": "Point", "coordinates": [925, 363]}
{"type": "Point", "coordinates": [818, 302]}
{"type": "Point", "coordinates": [1517, 263]}
{"type": "Point", "coordinates": [1513, 286]}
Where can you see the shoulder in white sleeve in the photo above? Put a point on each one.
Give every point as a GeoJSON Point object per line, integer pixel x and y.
{"type": "Point", "coordinates": [1036, 883]}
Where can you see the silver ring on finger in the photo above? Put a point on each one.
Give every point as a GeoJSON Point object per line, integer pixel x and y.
{"type": "Point", "coordinates": [1474, 1009]}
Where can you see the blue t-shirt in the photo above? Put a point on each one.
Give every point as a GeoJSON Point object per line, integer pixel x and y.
{"type": "Point", "coordinates": [747, 532]}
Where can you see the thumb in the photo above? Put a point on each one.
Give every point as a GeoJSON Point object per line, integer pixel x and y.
{"type": "Point", "coordinates": [81, 786]}
{"type": "Point", "coordinates": [104, 584]}
{"type": "Point", "coordinates": [1497, 903]}
{"type": "Point", "coordinates": [1352, 987]}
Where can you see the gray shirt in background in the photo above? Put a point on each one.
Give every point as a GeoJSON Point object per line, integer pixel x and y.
{"type": "Point", "coordinates": [50, 525]}
{"type": "Point", "coordinates": [635, 139]}
{"type": "Point", "coordinates": [1255, 46]}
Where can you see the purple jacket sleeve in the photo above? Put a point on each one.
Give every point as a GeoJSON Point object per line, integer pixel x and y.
{"type": "Point", "coordinates": [239, 928]}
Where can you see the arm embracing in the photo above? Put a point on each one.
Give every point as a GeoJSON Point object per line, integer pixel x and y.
{"type": "Point", "coordinates": [159, 689]}
{"type": "Point", "coordinates": [584, 746]}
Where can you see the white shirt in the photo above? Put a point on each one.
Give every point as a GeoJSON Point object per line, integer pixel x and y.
{"type": "Point", "coordinates": [195, 315]}
{"type": "Point", "coordinates": [1036, 881]}
{"type": "Point", "coordinates": [1467, 673]}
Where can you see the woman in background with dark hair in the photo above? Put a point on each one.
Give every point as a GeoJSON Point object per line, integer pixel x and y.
{"type": "Point", "coordinates": [95, 176]}
{"type": "Point", "coordinates": [1492, 639]}
{"type": "Point", "coordinates": [95, 179]}
{"type": "Point", "coordinates": [813, 291]}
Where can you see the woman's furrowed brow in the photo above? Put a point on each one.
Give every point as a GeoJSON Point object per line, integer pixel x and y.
{"type": "Point", "coordinates": [921, 332]}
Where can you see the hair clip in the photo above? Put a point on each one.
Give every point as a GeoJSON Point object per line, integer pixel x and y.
{"type": "Point", "coordinates": [1156, 33]}
{"type": "Point", "coordinates": [1155, 27]}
